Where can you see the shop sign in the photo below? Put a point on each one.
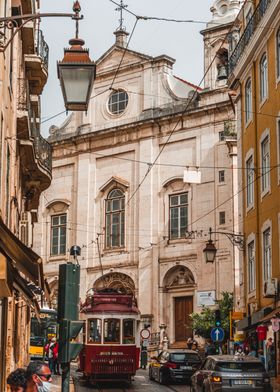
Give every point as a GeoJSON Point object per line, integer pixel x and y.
{"type": "Point", "coordinates": [237, 315]}
{"type": "Point", "coordinates": [275, 324]}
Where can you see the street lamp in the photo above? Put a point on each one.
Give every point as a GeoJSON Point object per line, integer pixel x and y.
{"type": "Point", "coordinates": [210, 250]}
{"type": "Point", "coordinates": [76, 72]}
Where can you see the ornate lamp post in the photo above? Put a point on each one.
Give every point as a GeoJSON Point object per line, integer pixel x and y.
{"type": "Point", "coordinates": [210, 249]}
{"type": "Point", "coordinates": [76, 71]}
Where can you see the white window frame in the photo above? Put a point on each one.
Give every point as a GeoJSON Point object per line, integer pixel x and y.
{"type": "Point", "coordinates": [267, 250]}
{"type": "Point", "coordinates": [59, 226]}
{"type": "Point", "coordinates": [250, 186]}
{"type": "Point", "coordinates": [251, 266]}
{"type": "Point", "coordinates": [263, 69]}
{"type": "Point", "coordinates": [178, 207]}
{"type": "Point", "coordinates": [248, 100]}
{"type": "Point", "coordinates": [110, 224]}
{"type": "Point", "coordinates": [265, 163]}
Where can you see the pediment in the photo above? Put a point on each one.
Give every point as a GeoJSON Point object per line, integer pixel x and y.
{"type": "Point", "coordinates": [111, 58]}
{"type": "Point", "coordinates": [114, 182]}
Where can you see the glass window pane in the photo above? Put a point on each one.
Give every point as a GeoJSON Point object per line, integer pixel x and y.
{"type": "Point", "coordinates": [128, 331]}
{"type": "Point", "coordinates": [174, 200]}
{"type": "Point", "coordinates": [94, 331]}
{"type": "Point", "coordinates": [111, 331]}
{"type": "Point", "coordinates": [184, 198]}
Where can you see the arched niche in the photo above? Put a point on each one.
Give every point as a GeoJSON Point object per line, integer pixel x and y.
{"type": "Point", "coordinates": [116, 280]}
{"type": "Point", "coordinates": [178, 277]}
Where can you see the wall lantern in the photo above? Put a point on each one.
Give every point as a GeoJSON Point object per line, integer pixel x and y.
{"type": "Point", "coordinates": [210, 250]}
{"type": "Point", "coordinates": [76, 71]}
{"type": "Point", "coordinates": [237, 239]}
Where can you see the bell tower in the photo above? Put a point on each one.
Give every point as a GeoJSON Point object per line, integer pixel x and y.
{"type": "Point", "coordinates": [216, 43]}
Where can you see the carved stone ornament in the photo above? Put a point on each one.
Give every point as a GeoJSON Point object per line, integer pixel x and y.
{"type": "Point", "coordinates": [115, 280]}
{"type": "Point", "coordinates": [180, 276]}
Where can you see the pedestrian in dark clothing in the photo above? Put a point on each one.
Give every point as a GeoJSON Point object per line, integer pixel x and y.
{"type": "Point", "coordinates": [17, 380]}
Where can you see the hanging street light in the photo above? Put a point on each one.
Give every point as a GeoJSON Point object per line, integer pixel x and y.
{"type": "Point", "coordinates": [76, 71]}
{"type": "Point", "coordinates": [210, 250]}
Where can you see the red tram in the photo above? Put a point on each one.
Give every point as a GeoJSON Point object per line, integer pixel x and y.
{"type": "Point", "coordinates": [111, 337]}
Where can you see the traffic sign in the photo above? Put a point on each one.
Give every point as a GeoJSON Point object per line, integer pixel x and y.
{"type": "Point", "coordinates": [145, 333]}
{"type": "Point", "coordinates": [217, 334]}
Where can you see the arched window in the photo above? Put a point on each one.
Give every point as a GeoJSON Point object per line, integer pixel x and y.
{"type": "Point", "coordinates": [263, 78]}
{"type": "Point", "coordinates": [115, 214]}
{"type": "Point", "coordinates": [248, 100]}
{"type": "Point", "coordinates": [278, 52]}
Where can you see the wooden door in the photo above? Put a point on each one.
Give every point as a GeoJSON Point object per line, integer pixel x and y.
{"type": "Point", "coordinates": [183, 308]}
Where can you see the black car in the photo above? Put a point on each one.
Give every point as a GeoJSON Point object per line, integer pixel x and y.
{"type": "Point", "coordinates": [221, 373]}
{"type": "Point", "coordinates": [174, 365]}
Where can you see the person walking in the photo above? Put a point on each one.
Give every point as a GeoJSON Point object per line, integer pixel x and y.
{"type": "Point", "coordinates": [17, 380]}
{"type": "Point", "coordinates": [51, 350]}
{"type": "Point", "coordinates": [39, 377]}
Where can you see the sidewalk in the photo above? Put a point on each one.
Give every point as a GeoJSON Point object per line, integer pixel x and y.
{"type": "Point", "coordinates": [56, 384]}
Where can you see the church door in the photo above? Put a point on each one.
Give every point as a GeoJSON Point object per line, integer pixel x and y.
{"type": "Point", "coordinates": [183, 308]}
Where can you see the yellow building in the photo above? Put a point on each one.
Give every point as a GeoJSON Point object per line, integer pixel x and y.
{"type": "Point", "coordinates": [254, 75]}
{"type": "Point", "coordinates": [25, 171]}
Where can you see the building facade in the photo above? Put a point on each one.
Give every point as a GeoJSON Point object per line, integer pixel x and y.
{"type": "Point", "coordinates": [141, 226]}
{"type": "Point", "coordinates": [254, 72]}
{"type": "Point", "coordinates": [25, 171]}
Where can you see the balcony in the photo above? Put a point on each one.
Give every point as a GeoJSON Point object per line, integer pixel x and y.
{"type": "Point", "coordinates": [37, 65]}
{"type": "Point", "coordinates": [36, 163]}
{"type": "Point", "coordinates": [248, 33]}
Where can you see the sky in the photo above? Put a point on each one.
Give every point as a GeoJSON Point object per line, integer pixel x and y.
{"type": "Point", "coordinates": [182, 41]}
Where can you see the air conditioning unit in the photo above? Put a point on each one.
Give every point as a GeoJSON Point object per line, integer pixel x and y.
{"type": "Point", "coordinates": [270, 287]}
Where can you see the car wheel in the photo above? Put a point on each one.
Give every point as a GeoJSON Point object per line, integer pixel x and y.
{"type": "Point", "coordinates": [151, 374]}
{"type": "Point", "coordinates": [162, 378]}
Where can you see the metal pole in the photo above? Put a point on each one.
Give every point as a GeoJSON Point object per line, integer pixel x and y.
{"type": "Point", "coordinates": [65, 378]}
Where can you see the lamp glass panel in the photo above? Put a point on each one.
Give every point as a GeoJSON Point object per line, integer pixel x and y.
{"type": "Point", "coordinates": [76, 83]}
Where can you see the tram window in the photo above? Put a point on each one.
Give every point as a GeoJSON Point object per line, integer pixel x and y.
{"type": "Point", "coordinates": [128, 331]}
{"type": "Point", "coordinates": [111, 331]}
{"type": "Point", "coordinates": [94, 331]}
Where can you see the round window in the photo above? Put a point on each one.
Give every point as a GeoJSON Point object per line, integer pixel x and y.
{"type": "Point", "coordinates": [118, 102]}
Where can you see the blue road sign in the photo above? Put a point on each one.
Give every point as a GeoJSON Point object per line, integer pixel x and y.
{"type": "Point", "coordinates": [217, 334]}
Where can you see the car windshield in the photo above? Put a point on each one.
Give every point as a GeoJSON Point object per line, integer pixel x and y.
{"type": "Point", "coordinates": [239, 367]}
{"type": "Point", "coordinates": [184, 357]}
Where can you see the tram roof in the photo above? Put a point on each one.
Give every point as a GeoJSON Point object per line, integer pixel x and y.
{"type": "Point", "coordinates": [109, 301]}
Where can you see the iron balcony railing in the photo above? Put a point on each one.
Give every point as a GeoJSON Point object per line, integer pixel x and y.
{"type": "Point", "coordinates": [251, 27]}
{"type": "Point", "coordinates": [43, 49]}
{"type": "Point", "coordinates": [43, 150]}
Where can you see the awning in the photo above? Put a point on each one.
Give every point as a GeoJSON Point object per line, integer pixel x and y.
{"type": "Point", "coordinates": [24, 259]}
{"type": "Point", "coordinates": [270, 315]}
{"type": "Point", "coordinates": [21, 285]}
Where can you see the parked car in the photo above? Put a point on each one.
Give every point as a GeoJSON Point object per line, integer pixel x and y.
{"type": "Point", "coordinates": [221, 373]}
{"type": "Point", "coordinates": [174, 365]}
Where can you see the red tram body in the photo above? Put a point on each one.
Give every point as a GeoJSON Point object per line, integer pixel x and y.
{"type": "Point", "coordinates": [111, 336]}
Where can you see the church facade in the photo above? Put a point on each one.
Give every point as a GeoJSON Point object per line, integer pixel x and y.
{"type": "Point", "coordinates": [140, 178]}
